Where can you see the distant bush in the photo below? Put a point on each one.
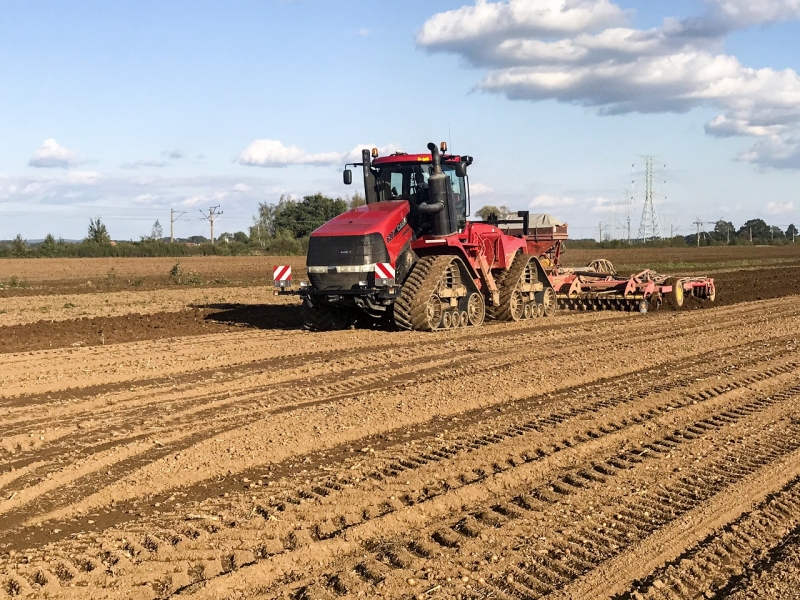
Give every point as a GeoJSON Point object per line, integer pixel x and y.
{"type": "Point", "coordinates": [149, 248]}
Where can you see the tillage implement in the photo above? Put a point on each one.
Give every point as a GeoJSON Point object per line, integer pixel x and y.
{"type": "Point", "coordinates": [411, 258]}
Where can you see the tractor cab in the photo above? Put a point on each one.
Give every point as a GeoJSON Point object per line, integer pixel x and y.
{"type": "Point", "coordinates": [438, 209]}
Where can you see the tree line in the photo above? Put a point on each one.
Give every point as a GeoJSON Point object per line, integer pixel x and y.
{"type": "Point", "coordinates": [280, 228]}
{"type": "Point", "coordinates": [283, 228]}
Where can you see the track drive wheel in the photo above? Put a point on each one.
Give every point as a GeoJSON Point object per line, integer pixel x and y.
{"type": "Point", "coordinates": [675, 297]}
{"type": "Point", "coordinates": [325, 318]}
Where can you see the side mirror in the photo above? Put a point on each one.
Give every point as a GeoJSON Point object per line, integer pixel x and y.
{"type": "Point", "coordinates": [461, 169]}
{"type": "Point", "coordinates": [347, 177]}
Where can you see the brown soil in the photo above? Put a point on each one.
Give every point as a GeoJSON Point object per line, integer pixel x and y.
{"type": "Point", "coordinates": [91, 275]}
{"type": "Point", "coordinates": [733, 287]}
{"type": "Point", "coordinates": [220, 452]}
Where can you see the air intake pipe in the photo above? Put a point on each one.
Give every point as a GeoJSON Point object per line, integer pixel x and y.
{"type": "Point", "coordinates": [437, 195]}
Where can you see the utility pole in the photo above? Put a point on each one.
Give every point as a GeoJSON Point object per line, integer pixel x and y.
{"type": "Point", "coordinates": [649, 227]}
{"type": "Point", "coordinates": [629, 229]}
{"type": "Point", "coordinates": [699, 224]}
{"type": "Point", "coordinates": [751, 234]}
{"type": "Point", "coordinates": [172, 219]}
{"type": "Point", "coordinates": [600, 236]}
{"type": "Point", "coordinates": [212, 214]}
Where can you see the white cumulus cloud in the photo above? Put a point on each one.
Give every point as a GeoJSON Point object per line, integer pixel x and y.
{"type": "Point", "coordinates": [145, 198]}
{"type": "Point", "coordinates": [355, 154]}
{"type": "Point", "coordinates": [479, 189]}
{"type": "Point", "coordinates": [52, 154]}
{"type": "Point", "coordinates": [548, 201]}
{"type": "Point", "coordinates": [272, 153]}
{"type": "Point", "coordinates": [82, 177]}
{"type": "Point", "coordinates": [778, 208]}
{"type": "Point", "coordinates": [584, 52]}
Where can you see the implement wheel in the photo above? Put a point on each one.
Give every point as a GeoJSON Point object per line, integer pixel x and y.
{"type": "Point", "coordinates": [675, 297]}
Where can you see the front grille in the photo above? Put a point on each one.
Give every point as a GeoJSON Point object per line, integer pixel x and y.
{"type": "Point", "coordinates": [346, 250]}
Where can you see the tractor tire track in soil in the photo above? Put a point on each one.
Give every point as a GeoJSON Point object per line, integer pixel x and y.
{"type": "Point", "coordinates": [587, 454]}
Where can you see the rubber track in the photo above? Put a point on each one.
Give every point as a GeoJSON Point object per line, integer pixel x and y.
{"type": "Point", "coordinates": [503, 311]}
{"type": "Point", "coordinates": [410, 307]}
{"type": "Point", "coordinates": [316, 318]}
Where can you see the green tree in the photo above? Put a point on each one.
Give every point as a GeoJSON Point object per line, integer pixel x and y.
{"type": "Point", "coordinates": [755, 227]}
{"type": "Point", "coordinates": [775, 233]}
{"type": "Point", "coordinates": [19, 247]}
{"type": "Point", "coordinates": [356, 201]}
{"type": "Point", "coordinates": [49, 247]}
{"type": "Point", "coordinates": [241, 237]}
{"type": "Point", "coordinates": [724, 231]}
{"type": "Point", "coordinates": [501, 212]}
{"type": "Point", "coordinates": [263, 226]}
{"type": "Point", "coordinates": [303, 217]}
{"type": "Point", "coordinates": [791, 232]}
{"type": "Point", "coordinates": [97, 233]}
{"type": "Point", "coordinates": [157, 233]}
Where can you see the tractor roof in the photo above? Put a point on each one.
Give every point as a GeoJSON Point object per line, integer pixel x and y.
{"type": "Point", "coordinates": [412, 158]}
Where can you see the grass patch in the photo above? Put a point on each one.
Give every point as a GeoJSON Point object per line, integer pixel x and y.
{"type": "Point", "coordinates": [110, 278]}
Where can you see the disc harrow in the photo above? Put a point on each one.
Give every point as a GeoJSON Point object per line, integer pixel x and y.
{"type": "Point", "coordinates": [598, 286]}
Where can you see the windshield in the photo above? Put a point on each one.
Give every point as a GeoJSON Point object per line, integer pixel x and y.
{"type": "Point", "coordinates": [409, 181]}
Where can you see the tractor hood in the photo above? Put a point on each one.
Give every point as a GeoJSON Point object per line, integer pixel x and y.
{"type": "Point", "coordinates": [380, 217]}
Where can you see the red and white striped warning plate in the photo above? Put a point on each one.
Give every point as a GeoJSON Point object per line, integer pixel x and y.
{"type": "Point", "coordinates": [384, 271]}
{"type": "Point", "coordinates": [282, 273]}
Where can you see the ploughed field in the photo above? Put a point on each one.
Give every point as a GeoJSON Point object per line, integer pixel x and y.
{"type": "Point", "coordinates": [164, 439]}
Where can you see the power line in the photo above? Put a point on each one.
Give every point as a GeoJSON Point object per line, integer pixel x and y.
{"type": "Point", "coordinates": [172, 219]}
{"type": "Point", "coordinates": [649, 227]}
{"type": "Point", "coordinates": [212, 214]}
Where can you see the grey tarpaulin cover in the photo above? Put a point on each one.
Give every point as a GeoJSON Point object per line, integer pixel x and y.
{"type": "Point", "coordinates": [544, 220]}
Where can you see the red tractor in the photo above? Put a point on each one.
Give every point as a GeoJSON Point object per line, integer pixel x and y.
{"type": "Point", "coordinates": [410, 256]}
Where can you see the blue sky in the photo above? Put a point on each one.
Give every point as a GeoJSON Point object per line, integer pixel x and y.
{"type": "Point", "coordinates": [127, 110]}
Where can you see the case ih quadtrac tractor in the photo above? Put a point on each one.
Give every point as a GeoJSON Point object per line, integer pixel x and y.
{"type": "Point", "coordinates": [411, 257]}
